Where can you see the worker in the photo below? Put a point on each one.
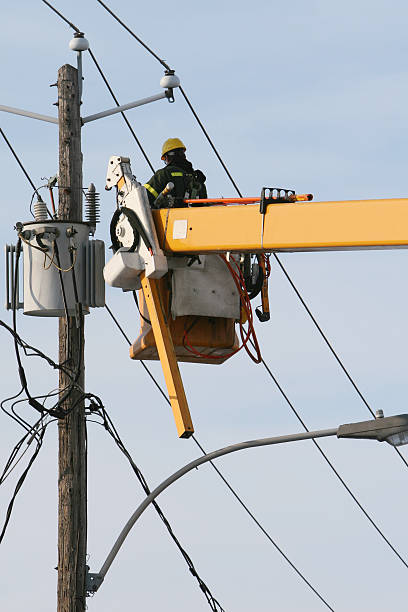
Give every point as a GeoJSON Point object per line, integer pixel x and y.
{"type": "Point", "coordinates": [188, 183]}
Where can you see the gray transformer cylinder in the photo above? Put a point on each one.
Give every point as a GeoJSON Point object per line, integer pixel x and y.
{"type": "Point", "coordinates": [43, 295]}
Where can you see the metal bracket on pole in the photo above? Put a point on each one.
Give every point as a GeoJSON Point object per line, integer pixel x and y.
{"type": "Point", "coordinates": [92, 582]}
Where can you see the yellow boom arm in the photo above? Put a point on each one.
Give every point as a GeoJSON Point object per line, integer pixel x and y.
{"type": "Point", "coordinates": [298, 226]}
{"type": "Point", "coordinates": [291, 226]}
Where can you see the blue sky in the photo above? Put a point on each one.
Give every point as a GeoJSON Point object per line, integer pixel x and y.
{"type": "Point", "coordinates": [305, 95]}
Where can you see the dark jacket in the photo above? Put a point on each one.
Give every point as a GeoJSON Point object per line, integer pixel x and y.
{"type": "Point", "coordinates": [188, 183]}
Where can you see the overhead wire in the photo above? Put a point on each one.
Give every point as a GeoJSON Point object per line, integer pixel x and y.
{"type": "Point", "coordinates": [334, 470]}
{"type": "Point", "coordinates": [304, 304]}
{"type": "Point", "coordinates": [74, 27]}
{"type": "Point", "coordinates": [105, 80]}
{"type": "Point", "coordinates": [183, 93]}
{"type": "Point", "coordinates": [238, 191]}
{"type": "Point", "coordinates": [240, 194]}
{"type": "Point", "coordinates": [218, 471]}
{"type": "Point", "coordinates": [139, 40]}
{"type": "Point", "coordinates": [330, 346]}
{"type": "Point", "coordinates": [139, 144]}
{"type": "Point", "coordinates": [13, 461]}
{"type": "Point", "coordinates": [19, 484]}
{"type": "Point", "coordinates": [111, 429]}
{"type": "Point", "coordinates": [18, 160]}
{"type": "Point", "coordinates": [291, 283]}
{"type": "Point", "coordinates": [214, 604]}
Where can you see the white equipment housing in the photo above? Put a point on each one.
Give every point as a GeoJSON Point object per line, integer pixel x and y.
{"type": "Point", "coordinates": [43, 294]}
{"type": "Point", "coordinates": [205, 290]}
{"type": "Point", "coordinates": [201, 287]}
{"type": "Point", "coordinates": [147, 255]}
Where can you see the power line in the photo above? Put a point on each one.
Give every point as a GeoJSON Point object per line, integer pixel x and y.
{"type": "Point", "coordinates": [212, 145]}
{"type": "Point", "coordinates": [274, 254]}
{"type": "Point", "coordinates": [325, 457]}
{"type": "Point", "coordinates": [298, 294]}
{"type": "Point", "coordinates": [231, 489]}
{"type": "Point", "coordinates": [142, 362]}
{"type": "Point", "coordinates": [20, 483]}
{"type": "Point", "coordinates": [111, 429]}
{"type": "Point", "coordinates": [74, 27]}
{"type": "Point", "coordinates": [233, 182]}
{"type": "Point", "coordinates": [18, 159]}
{"type": "Point", "coordinates": [96, 406]}
{"type": "Point", "coordinates": [140, 41]}
{"type": "Point", "coordinates": [122, 113]}
{"type": "Point", "coordinates": [328, 343]}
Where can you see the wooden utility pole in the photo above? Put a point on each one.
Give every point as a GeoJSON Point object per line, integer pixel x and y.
{"type": "Point", "coordinates": [72, 481]}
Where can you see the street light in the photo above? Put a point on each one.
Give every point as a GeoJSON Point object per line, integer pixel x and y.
{"type": "Point", "coordinates": [393, 430]}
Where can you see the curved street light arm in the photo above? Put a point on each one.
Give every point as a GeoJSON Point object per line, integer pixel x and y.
{"type": "Point", "coordinates": [95, 580]}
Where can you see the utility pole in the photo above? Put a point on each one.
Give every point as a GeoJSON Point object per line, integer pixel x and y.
{"type": "Point", "coordinates": [72, 480]}
{"type": "Point", "coordinates": [72, 465]}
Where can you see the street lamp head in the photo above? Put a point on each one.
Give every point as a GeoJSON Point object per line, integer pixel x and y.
{"type": "Point", "coordinates": [398, 439]}
{"type": "Point", "coordinates": [393, 430]}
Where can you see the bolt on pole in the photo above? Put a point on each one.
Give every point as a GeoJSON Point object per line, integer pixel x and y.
{"type": "Point", "coordinates": [72, 480]}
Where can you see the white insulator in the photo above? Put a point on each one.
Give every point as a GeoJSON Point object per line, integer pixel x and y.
{"type": "Point", "coordinates": [40, 211]}
{"type": "Point", "coordinates": [79, 42]}
{"type": "Point", "coordinates": [170, 81]}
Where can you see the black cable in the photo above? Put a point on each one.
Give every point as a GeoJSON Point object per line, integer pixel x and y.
{"type": "Point", "coordinates": [19, 485]}
{"type": "Point", "coordinates": [111, 429]}
{"type": "Point", "coordinates": [32, 401]}
{"type": "Point", "coordinates": [122, 113]}
{"type": "Point", "coordinates": [138, 309]}
{"type": "Point", "coordinates": [325, 457]}
{"type": "Point", "coordinates": [106, 83]}
{"type": "Point", "coordinates": [240, 194]}
{"type": "Point", "coordinates": [314, 320]}
{"type": "Point", "coordinates": [253, 517]}
{"type": "Point", "coordinates": [62, 16]}
{"type": "Point", "coordinates": [18, 160]}
{"type": "Point", "coordinates": [55, 410]}
{"type": "Point", "coordinates": [142, 362]}
{"type": "Point", "coordinates": [139, 40]}
{"type": "Point", "coordinates": [183, 93]}
{"type": "Point", "coordinates": [335, 355]}
{"type": "Point", "coordinates": [276, 257]}
{"type": "Point", "coordinates": [247, 510]}
{"type": "Point", "coordinates": [23, 424]}
{"type": "Point", "coordinates": [36, 352]}
{"type": "Point", "coordinates": [32, 435]}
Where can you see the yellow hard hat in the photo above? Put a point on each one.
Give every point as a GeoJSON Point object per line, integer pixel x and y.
{"type": "Point", "coordinates": [170, 144]}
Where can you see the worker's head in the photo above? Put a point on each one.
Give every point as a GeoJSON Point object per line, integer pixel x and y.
{"type": "Point", "coordinates": [172, 148]}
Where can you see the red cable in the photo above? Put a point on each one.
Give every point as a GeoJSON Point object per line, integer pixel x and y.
{"type": "Point", "coordinates": [240, 283]}
{"type": "Point", "coordinates": [245, 334]}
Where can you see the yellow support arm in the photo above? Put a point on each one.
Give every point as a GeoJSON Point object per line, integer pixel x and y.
{"type": "Point", "coordinates": [168, 358]}
{"type": "Point", "coordinates": [299, 226]}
